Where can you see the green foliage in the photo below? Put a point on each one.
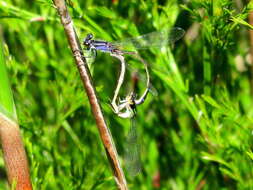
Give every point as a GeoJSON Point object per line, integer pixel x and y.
{"type": "Point", "coordinates": [7, 107]}
{"type": "Point", "coordinates": [196, 134]}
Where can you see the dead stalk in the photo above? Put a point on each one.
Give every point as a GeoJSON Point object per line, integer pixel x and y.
{"type": "Point", "coordinates": [14, 154]}
{"type": "Point", "coordinates": [90, 91]}
{"type": "Point", "coordinates": [251, 50]}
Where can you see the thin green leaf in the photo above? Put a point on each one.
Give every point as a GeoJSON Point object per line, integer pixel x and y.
{"type": "Point", "coordinates": [7, 106]}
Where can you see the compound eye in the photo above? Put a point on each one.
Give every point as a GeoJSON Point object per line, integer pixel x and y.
{"type": "Point", "coordinates": [89, 36]}
{"type": "Point", "coordinates": [86, 41]}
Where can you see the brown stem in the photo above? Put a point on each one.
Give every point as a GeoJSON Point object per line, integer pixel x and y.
{"type": "Point", "coordinates": [251, 50]}
{"type": "Point", "coordinates": [14, 154]}
{"type": "Point", "coordinates": [90, 91]}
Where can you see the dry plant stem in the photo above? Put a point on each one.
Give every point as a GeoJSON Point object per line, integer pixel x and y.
{"type": "Point", "coordinates": [251, 49]}
{"type": "Point", "coordinates": [90, 90]}
{"type": "Point", "coordinates": [14, 154]}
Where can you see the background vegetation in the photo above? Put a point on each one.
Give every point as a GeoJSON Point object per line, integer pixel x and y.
{"type": "Point", "coordinates": [196, 134]}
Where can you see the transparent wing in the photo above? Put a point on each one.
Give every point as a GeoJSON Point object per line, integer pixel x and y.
{"type": "Point", "coordinates": [153, 39]}
{"type": "Point", "coordinates": [132, 150]}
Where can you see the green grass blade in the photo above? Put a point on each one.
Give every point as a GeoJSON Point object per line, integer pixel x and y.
{"type": "Point", "coordinates": [7, 106]}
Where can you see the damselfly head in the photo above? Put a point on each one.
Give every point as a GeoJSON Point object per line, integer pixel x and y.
{"type": "Point", "coordinates": [87, 40]}
{"type": "Point", "coordinates": [131, 100]}
{"type": "Point", "coordinates": [132, 96]}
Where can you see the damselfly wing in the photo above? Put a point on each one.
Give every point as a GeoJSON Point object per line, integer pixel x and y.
{"type": "Point", "coordinates": [132, 155]}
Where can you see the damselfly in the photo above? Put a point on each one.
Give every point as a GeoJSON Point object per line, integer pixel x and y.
{"type": "Point", "coordinates": [117, 49]}
{"type": "Point", "coordinates": [129, 45]}
{"type": "Point", "coordinates": [153, 39]}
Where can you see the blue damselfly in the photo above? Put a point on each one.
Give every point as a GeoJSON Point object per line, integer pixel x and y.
{"type": "Point", "coordinates": [153, 39]}
{"type": "Point", "coordinates": [119, 49]}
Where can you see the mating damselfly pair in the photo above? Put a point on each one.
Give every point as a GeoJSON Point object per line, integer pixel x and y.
{"type": "Point", "coordinates": [126, 46]}
{"type": "Point", "coordinates": [126, 108]}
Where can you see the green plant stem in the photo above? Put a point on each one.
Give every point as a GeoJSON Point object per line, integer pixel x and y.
{"type": "Point", "coordinates": [104, 131]}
